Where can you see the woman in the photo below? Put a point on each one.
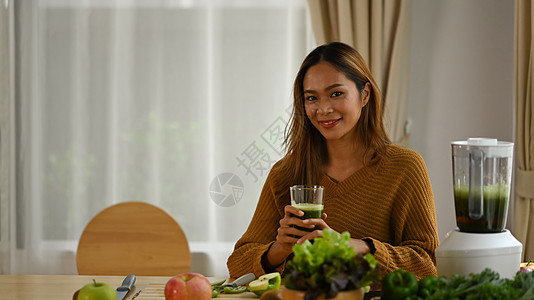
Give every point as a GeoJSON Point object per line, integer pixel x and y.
{"type": "Point", "coordinates": [377, 191]}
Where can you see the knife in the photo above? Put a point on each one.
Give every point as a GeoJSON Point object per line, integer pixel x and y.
{"type": "Point", "coordinates": [240, 281]}
{"type": "Point", "coordinates": [125, 287]}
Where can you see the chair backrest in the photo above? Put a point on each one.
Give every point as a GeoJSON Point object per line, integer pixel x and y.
{"type": "Point", "coordinates": [133, 238]}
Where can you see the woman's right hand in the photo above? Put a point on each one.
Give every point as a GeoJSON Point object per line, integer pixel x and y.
{"type": "Point", "coordinates": [286, 238]}
{"type": "Point", "coordinates": [288, 235]}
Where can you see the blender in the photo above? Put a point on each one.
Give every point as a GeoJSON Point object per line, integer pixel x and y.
{"type": "Point", "coordinates": [482, 172]}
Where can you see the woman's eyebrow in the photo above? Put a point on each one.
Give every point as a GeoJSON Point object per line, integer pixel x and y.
{"type": "Point", "coordinates": [326, 89]}
{"type": "Point", "coordinates": [335, 85]}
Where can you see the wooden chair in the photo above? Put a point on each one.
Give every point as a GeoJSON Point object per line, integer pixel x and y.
{"type": "Point", "coordinates": [133, 238]}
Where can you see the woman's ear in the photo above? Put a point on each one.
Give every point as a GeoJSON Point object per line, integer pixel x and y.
{"type": "Point", "coordinates": [366, 93]}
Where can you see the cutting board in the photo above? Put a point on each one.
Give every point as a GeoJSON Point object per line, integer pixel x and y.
{"type": "Point", "coordinates": [155, 291]}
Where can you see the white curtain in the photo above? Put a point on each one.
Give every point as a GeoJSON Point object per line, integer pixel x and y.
{"type": "Point", "coordinates": [177, 103]}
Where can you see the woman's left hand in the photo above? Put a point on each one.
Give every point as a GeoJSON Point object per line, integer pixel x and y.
{"type": "Point", "coordinates": [359, 246]}
{"type": "Point", "coordinates": [316, 233]}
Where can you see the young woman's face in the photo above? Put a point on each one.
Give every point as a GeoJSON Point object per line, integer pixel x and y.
{"type": "Point", "coordinates": [333, 103]}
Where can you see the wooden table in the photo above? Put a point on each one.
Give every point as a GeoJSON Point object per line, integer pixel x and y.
{"type": "Point", "coordinates": [54, 287]}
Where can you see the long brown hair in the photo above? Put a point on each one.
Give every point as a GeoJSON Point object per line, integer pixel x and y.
{"type": "Point", "coordinates": [306, 147]}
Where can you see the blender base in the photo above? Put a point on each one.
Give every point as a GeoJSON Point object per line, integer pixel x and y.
{"type": "Point", "coordinates": [464, 253]}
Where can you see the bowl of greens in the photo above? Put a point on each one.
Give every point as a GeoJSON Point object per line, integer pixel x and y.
{"type": "Point", "coordinates": [327, 268]}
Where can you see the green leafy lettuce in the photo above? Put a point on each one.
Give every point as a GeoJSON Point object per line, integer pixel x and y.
{"type": "Point", "coordinates": [485, 285]}
{"type": "Point", "coordinates": [329, 265]}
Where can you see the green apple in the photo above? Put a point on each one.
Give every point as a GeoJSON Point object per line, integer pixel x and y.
{"type": "Point", "coordinates": [265, 283]}
{"type": "Point", "coordinates": [97, 291]}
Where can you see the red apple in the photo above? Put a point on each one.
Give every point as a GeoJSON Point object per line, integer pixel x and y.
{"type": "Point", "coordinates": [188, 286]}
{"type": "Point", "coordinates": [527, 267]}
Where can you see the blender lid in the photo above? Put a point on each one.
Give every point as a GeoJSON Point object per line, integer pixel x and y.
{"type": "Point", "coordinates": [478, 141]}
{"type": "Point", "coordinates": [465, 244]}
{"type": "Point", "coordinates": [491, 147]}
{"type": "Point", "coordinates": [482, 141]}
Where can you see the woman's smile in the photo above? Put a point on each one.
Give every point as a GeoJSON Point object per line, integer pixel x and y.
{"type": "Point", "coordinates": [330, 123]}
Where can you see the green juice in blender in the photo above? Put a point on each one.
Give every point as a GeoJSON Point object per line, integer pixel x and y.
{"type": "Point", "coordinates": [494, 210]}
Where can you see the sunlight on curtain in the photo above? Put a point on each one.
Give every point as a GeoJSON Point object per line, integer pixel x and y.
{"type": "Point", "coordinates": [524, 112]}
{"type": "Point", "coordinates": [6, 131]}
{"type": "Point", "coordinates": [178, 103]}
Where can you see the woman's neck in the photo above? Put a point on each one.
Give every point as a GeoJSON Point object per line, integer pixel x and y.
{"type": "Point", "coordinates": [344, 158]}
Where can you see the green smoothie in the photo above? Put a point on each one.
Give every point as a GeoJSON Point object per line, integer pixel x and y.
{"type": "Point", "coordinates": [311, 211]}
{"type": "Point", "coordinates": [494, 211]}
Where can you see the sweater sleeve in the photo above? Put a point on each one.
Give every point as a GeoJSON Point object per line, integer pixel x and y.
{"type": "Point", "coordinates": [414, 224]}
{"type": "Point", "coordinates": [258, 238]}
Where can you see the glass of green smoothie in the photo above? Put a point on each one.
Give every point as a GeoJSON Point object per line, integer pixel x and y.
{"type": "Point", "coordinates": [309, 199]}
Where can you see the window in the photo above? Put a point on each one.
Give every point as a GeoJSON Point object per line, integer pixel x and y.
{"type": "Point", "coordinates": [177, 103]}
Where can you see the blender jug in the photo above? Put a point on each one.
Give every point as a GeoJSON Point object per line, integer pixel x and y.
{"type": "Point", "coordinates": [482, 172]}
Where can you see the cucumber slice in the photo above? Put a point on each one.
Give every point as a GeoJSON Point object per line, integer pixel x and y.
{"type": "Point", "coordinates": [218, 283]}
{"type": "Point", "coordinates": [235, 290]}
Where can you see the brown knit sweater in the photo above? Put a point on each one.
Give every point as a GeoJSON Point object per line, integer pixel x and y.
{"type": "Point", "coordinates": [390, 203]}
